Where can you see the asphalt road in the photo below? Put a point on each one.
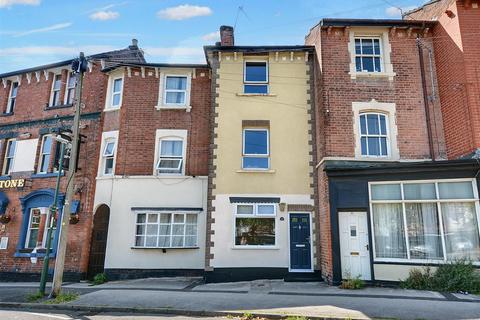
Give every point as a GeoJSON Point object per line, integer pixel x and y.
{"type": "Point", "coordinates": [57, 315]}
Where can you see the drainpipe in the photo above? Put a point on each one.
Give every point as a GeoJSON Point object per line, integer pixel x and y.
{"type": "Point", "coordinates": [425, 100]}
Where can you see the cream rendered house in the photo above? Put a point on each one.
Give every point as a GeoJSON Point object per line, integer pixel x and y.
{"type": "Point", "coordinates": [261, 215]}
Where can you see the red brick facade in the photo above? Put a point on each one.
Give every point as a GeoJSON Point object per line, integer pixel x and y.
{"type": "Point", "coordinates": [457, 57]}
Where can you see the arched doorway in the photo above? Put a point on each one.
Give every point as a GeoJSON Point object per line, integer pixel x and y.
{"type": "Point", "coordinates": [98, 244]}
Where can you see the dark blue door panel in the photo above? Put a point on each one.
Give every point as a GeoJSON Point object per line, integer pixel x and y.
{"type": "Point", "coordinates": [300, 251]}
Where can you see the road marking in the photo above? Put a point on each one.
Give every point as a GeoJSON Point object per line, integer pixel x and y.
{"type": "Point", "coordinates": [50, 315]}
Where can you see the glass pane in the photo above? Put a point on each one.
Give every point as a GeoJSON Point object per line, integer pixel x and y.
{"type": "Point", "coordinates": [141, 218]}
{"type": "Point", "coordinates": [152, 229]}
{"type": "Point", "coordinates": [191, 229]}
{"type": "Point", "coordinates": [190, 241]}
{"type": "Point", "coordinates": [389, 231]}
{"type": "Point", "coordinates": [266, 209]}
{"type": "Point", "coordinates": [358, 64]}
{"type": "Point", "coordinates": [172, 164]}
{"type": "Point", "coordinates": [255, 163]}
{"type": "Point", "coordinates": [32, 241]}
{"type": "Point", "coordinates": [179, 218]}
{"type": "Point", "coordinates": [139, 241]}
{"type": "Point", "coordinates": [45, 163]}
{"type": "Point", "coordinates": [176, 83]}
{"type": "Point", "coordinates": [256, 71]}
{"type": "Point", "coordinates": [367, 64]}
{"type": "Point", "coordinates": [178, 229]}
{"type": "Point", "coordinates": [383, 145]}
{"type": "Point", "coordinates": [14, 89]}
{"type": "Point", "coordinates": [109, 166]}
{"type": "Point", "coordinates": [455, 190]}
{"type": "Point", "coordinates": [373, 124]}
{"type": "Point", "coordinates": [423, 231]}
{"type": "Point", "coordinates": [373, 146]}
{"type": "Point", "coordinates": [116, 99]}
{"type": "Point", "coordinates": [11, 149]}
{"type": "Point", "coordinates": [367, 46]}
{"type": "Point", "coordinates": [58, 82]}
{"type": "Point", "coordinates": [109, 148]}
{"type": "Point", "coordinates": [244, 209]}
{"type": "Point", "coordinates": [255, 231]}
{"type": "Point", "coordinates": [358, 46]}
{"type": "Point", "coordinates": [140, 229]}
{"type": "Point", "coordinates": [383, 124]}
{"type": "Point", "coordinates": [376, 46]}
{"type": "Point", "coordinates": [363, 141]}
{"type": "Point", "coordinates": [386, 192]}
{"type": "Point", "coordinates": [164, 230]}
{"type": "Point", "coordinates": [165, 218]}
{"type": "Point", "coordinates": [177, 241]}
{"type": "Point", "coordinates": [152, 218]}
{"type": "Point", "coordinates": [192, 218]}
{"type": "Point", "coordinates": [117, 85]}
{"type": "Point", "coordinates": [175, 97]}
{"type": "Point", "coordinates": [164, 242]}
{"type": "Point", "coordinates": [363, 124]}
{"type": "Point", "coordinates": [461, 231]}
{"type": "Point", "coordinates": [72, 80]}
{"type": "Point", "coordinates": [419, 191]}
{"type": "Point", "coordinates": [172, 148]}
{"type": "Point", "coordinates": [260, 89]}
{"type": "Point", "coordinates": [151, 241]}
{"type": "Point", "coordinates": [256, 142]}
{"type": "Point", "coordinates": [47, 144]}
{"type": "Point", "coordinates": [378, 67]}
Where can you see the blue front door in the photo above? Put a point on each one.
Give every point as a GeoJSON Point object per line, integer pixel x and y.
{"type": "Point", "coordinates": [300, 251]}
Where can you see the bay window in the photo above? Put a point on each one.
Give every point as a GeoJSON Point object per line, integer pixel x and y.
{"type": "Point", "coordinates": [425, 221]}
{"type": "Point", "coordinates": [255, 224]}
{"type": "Point", "coordinates": [166, 230]}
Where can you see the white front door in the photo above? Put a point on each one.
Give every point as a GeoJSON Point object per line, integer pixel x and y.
{"type": "Point", "coordinates": [354, 248]}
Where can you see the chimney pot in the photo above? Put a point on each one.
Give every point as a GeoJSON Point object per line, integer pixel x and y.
{"type": "Point", "coordinates": [134, 43]}
{"type": "Point", "coordinates": [227, 36]}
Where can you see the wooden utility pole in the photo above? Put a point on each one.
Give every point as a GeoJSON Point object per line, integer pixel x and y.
{"type": "Point", "coordinates": [72, 168]}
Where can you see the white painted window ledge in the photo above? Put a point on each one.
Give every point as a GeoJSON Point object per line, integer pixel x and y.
{"type": "Point", "coordinates": [389, 75]}
{"type": "Point", "coordinates": [241, 94]}
{"type": "Point", "coordinates": [167, 107]}
{"type": "Point", "coordinates": [256, 171]}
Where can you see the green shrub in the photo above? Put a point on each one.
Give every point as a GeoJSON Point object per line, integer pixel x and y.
{"type": "Point", "coordinates": [63, 298]}
{"type": "Point", "coordinates": [352, 283]}
{"type": "Point", "coordinates": [457, 276]}
{"type": "Point", "coordinates": [99, 279]}
{"type": "Point", "coordinates": [34, 297]}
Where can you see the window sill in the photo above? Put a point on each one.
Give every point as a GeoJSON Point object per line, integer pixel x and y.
{"type": "Point", "coordinates": [27, 253]}
{"type": "Point", "coordinates": [164, 248]}
{"type": "Point", "coordinates": [377, 75]}
{"type": "Point", "coordinates": [168, 107]}
{"type": "Point", "coordinates": [46, 175]}
{"type": "Point", "coordinates": [255, 248]}
{"type": "Point", "coordinates": [7, 114]}
{"type": "Point", "coordinates": [60, 106]}
{"type": "Point", "coordinates": [111, 109]}
{"type": "Point", "coordinates": [242, 94]}
{"type": "Point", "coordinates": [416, 262]}
{"type": "Point", "coordinates": [256, 171]}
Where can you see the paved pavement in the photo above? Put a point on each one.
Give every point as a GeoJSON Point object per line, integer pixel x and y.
{"type": "Point", "coordinates": [266, 297]}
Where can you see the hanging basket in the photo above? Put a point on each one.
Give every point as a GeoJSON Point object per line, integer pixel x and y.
{"type": "Point", "coordinates": [74, 219]}
{"type": "Point", "coordinates": [5, 218]}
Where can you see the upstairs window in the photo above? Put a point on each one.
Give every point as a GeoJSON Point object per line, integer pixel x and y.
{"type": "Point", "coordinates": [116, 93]}
{"type": "Point", "coordinates": [171, 156]}
{"type": "Point", "coordinates": [256, 154]}
{"type": "Point", "coordinates": [175, 90]}
{"type": "Point", "coordinates": [70, 90]}
{"type": "Point", "coordinates": [256, 77]}
{"type": "Point", "coordinates": [9, 156]}
{"type": "Point", "coordinates": [108, 157]}
{"type": "Point", "coordinates": [368, 54]}
{"type": "Point", "coordinates": [12, 98]}
{"type": "Point", "coordinates": [45, 154]}
{"type": "Point", "coordinates": [374, 134]}
{"type": "Point", "coordinates": [56, 87]}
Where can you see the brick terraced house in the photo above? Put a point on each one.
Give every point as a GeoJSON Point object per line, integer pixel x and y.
{"type": "Point", "coordinates": [388, 199]}
{"type": "Point", "coordinates": [34, 103]}
{"type": "Point", "coordinates": [151, 182]}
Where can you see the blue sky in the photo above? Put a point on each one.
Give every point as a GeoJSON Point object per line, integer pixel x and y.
{"type": "Point", "coordinates": [34, 32]}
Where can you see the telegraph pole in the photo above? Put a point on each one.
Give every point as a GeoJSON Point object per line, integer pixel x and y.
{"type": "Point", "coordinates": [80, 69]}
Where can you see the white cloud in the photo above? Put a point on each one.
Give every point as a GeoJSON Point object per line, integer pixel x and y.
{"type": "Point", "coordinates": [183, 12]}
{"type": "Point", "coordinates": [9, 3]}
{"type": "Point", "coordinates": [54, 27]}
{"type": "Point", "coordinates": [397, 12]}
{"type": "Point", "coordinates": [104, 15]}
{"type": "Point", "coordinates": [212, 36]}
{"type": "Point", "coordinates": [54, 51]}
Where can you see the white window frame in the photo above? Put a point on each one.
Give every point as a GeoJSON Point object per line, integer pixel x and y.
{"type": "Point", "coordinates": [172, 72]}
{"type": "Point", "coordinates": [43, 211]}
{"type": "Point", "coordinates": [165, 90]}
{"type": "Point", "coordinates": [106, 137]}
{"type": "Point", "coordinates": [247, 155]}
{"type": "Point", "coordinates": [40, 158]}
{"type": "Point", "coordinates": [172, 223]}
{"type": "Point", "coordinates": [256, 83]}
{"type": "Point", "coordinates": [114, 75]}
{"type": "Point", "coordinates": [107, 156]}
{"type": "Point", "coordinates": [11, 108]}
{"type": "Point", "coordinates": [7, 146]}
{"type": "Point", "coordinates": [170, 135]}
{"type": "Point", "coordinates": [255, 215]}
{"type": "Point", "coordinates": [436, 201]}
{"type": "Point", "coordinates": [69, 88]}
{"type": "Point", "coordinates": [364, 55]}
{"type": "Point", "coordinates": [378, 136]}
{"type": "Point", "coordinates": [54, 91]}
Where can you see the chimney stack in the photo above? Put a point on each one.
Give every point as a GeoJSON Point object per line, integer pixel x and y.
{"type": "Point", "coordinates": [226, 36]}
{"type": "Point", "coordinates": [134, 44]}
